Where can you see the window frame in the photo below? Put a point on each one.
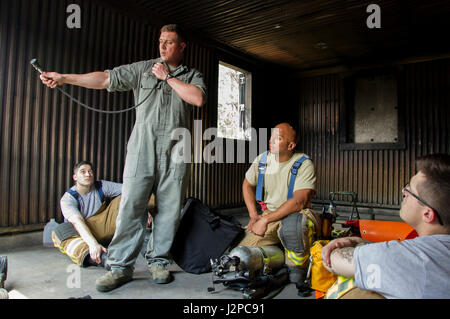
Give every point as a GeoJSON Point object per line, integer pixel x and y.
{"type": "Point", "coordinates": [349, 105]}
{"type": "Point", "coordinates": [248, 95]}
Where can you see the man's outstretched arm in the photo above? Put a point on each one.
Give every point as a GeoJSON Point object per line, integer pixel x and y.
{"type": "Point", "coordinates": [93, 80]}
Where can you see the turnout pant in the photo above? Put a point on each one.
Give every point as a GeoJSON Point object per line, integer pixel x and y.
{"type": "Point", "coordinates": [296, 232]}
{"type": "Point", "coordinates": [102, 226]}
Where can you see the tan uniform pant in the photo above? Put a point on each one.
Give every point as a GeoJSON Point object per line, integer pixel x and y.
{"type": "Point", "coordinates": [272, 237]}
{"type": "Point", "coordinates": [102, 226]}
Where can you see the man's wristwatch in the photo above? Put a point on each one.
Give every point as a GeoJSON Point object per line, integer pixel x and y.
{"type": "Point", "coordinates": [169, 76]}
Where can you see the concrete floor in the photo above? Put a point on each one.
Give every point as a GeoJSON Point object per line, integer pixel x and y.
{"type": "Point", "coordinates": [37, 272]}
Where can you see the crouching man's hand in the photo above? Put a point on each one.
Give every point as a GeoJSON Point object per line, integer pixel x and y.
{"type": "Point", "coordinates": [95, 251]}
{"type": "Point", "coordinates": [260, 226]}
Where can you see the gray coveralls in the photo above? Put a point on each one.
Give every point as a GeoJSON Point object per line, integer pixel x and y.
{"type": "Point", "coordinates": [148, 165]}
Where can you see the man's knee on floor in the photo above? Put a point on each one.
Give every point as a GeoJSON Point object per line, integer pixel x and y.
{"type": "Point", "coordinates": [291, 233]}
{"type": "Point", "coordinates": [296, 234]}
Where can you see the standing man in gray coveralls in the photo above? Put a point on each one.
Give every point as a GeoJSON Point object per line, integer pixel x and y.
{"type": "Point", "coordinates": [148, 164]}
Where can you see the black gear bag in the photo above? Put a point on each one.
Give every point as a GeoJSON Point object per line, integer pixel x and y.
{"type": "Point", "coordinates": [203, 235]}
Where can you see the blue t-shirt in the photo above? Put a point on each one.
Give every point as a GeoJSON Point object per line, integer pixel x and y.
{"type": "Point", "coordinates": [414, 268]}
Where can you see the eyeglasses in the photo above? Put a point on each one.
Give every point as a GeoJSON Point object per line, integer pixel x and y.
{"type": "Point", "coordinates": [407, 189]}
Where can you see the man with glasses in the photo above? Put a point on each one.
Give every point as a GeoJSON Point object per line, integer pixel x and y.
{"type": "Point", "coordinates": [172, 89]}
{"type": "Point", "coordinates": [414, 268]}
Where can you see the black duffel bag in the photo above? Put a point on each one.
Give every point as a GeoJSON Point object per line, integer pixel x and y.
{"type": "Point", "coordinates": [203, 234]}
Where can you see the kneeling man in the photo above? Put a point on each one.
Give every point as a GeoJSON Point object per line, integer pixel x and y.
{"type": "Point", "coordinates": [283, 181]}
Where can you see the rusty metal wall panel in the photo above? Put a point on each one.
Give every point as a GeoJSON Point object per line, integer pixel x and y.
{"type": "Point", "coordinates": [376, 175]}
{"type": "Point", "coordinates": [43, 133]}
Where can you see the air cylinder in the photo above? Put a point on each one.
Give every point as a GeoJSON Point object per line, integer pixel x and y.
{"type": "Point", "coordinates": [255, 258]}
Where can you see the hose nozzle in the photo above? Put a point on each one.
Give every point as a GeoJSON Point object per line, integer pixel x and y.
{"type": "Point", "coordinates": [36, 65]}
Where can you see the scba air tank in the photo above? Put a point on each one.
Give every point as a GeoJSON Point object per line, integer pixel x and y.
{"type": "Point", "coordinates": [255, 258]}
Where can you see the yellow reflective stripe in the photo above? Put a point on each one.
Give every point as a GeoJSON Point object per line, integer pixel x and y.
{"type": "Point", "coordinates": [331, 293]}
{"type": "Point", "coordinates": [340, 287]}
{"type": "Point", "coordinates": [344, 283]}
{"type": "Point", "coordinates": [298, 260]}
{"type": "Point", "coordinates": [73, 245]}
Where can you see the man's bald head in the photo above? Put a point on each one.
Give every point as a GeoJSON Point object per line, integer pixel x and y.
{"type": "Point", "coordinates": [283, 140]}
{"type": "Point", "coordinates": [288, 131]}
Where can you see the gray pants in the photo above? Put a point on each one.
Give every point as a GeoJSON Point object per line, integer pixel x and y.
{"type": "Point", "coordinates": [148, 169]}
{"type": "Point", "coordinates": [132, 219]}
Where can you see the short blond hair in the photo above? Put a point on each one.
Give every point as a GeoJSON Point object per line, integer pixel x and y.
{"type": "Point", "coordinates": [175, 28]}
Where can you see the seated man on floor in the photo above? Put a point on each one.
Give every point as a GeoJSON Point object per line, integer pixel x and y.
{"type": "Point", "coordinates": [91, 209]}
{"type": "Point", "coordinates": [285, 201]}
{"type": "Point", "coordinates": [413, 268]}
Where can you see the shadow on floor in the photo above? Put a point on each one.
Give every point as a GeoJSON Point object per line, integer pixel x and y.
{"type": "Point", "coordinates": [37, 272]}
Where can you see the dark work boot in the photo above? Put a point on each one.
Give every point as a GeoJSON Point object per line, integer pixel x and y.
{"type": "Point", "coordinates": [112, 280]}
{"type": "Point", "coordinates": [297, 275]}
{"type": "Point", "coordinates": [160, 273]}
{"type": "Point", "coordinates": [3, 273]}
{"type": "Point", "coordinates": [3, 270]}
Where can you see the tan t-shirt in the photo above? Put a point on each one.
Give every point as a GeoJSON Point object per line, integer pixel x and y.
{"type": "Point", "coordinates": [277, 177]}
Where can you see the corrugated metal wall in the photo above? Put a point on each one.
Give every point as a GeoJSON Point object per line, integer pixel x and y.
{"type": "Point", "coordinates": [43, 133]}
{"type": "Point", "coordinates": [376, 175]}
